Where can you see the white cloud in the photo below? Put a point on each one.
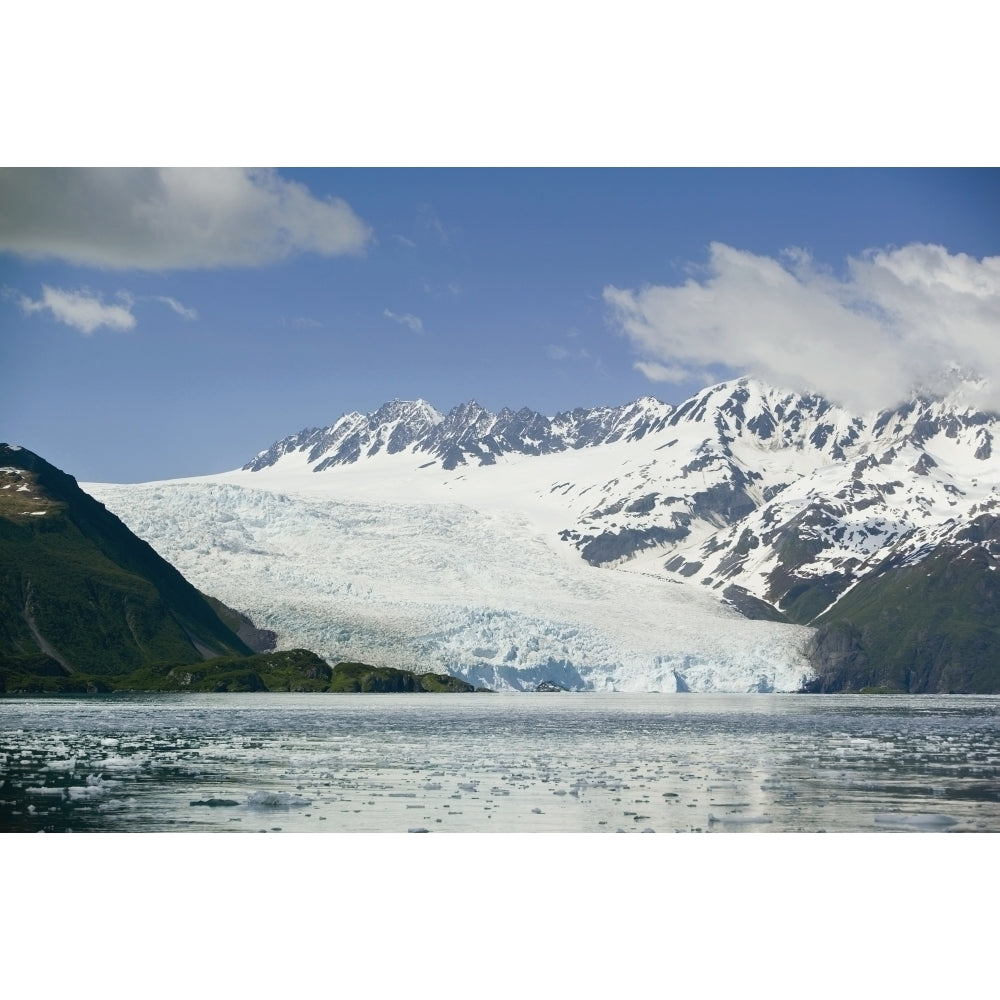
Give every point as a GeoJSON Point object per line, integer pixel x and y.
{"type": "Point", "coordinates": [82, 309]}
{"type": "Point", "coordinates": [153, 219]}
{"type": "Point", "coordinates": [673, 374]}
{"type": "Point", "coordinates": [181, 310]}
{"type": "Point", "coordinates": [414, 323]}
{"type": "Point", "coordinates": [897, 319]}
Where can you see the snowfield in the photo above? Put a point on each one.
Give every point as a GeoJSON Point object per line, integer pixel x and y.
{"type": "Point", "coordinates": [597, 549]}
{"type": "Point", "coordinates": [465, 583]}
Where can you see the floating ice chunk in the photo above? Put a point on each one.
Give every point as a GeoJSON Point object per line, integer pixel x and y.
{"type": "Point", "coordinates": [119, 764]}
{"type": "Point", "coordinates": [738, 819]}
{"type": "Point", "coordinates": [61, 765]}
{"type": "Point", "coordinates": [96, 785]}
{"type": "Point", "coordinates": [276, 800]}
{"type": "Point", "coordinates": [46, 791]}
{"type": "Point", "coordinates": [922, 820]}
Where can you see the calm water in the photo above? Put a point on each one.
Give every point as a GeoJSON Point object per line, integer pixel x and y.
{"type": "Point", "coordinates": [482, 763]}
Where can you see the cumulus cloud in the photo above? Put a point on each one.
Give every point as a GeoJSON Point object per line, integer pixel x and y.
{"type": "Point", "coordinates": [163, 219]}
{"type": "Point", "coordinates": [411, 322]}
{"type": "Point", "coordinates": [896, 319]}
{"type": "Point", "coordinates": [82, 310]}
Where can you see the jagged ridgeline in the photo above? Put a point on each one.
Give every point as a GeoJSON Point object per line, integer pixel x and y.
{"type": "Point", "coordinates": [880, 529]}
{"type": "Point", "coordinates": [467, 434]}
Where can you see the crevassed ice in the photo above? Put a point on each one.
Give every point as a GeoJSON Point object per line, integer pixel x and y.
{"type": "Point", "coordinates": [484, 594]}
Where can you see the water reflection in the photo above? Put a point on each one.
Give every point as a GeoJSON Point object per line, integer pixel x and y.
{"type": "Point", "coordinates": [632, 763]}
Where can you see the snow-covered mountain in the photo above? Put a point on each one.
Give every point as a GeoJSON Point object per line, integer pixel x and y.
{"type": "Point", "coordinates": [468, 434]}
{"type": "Point", "coordinates": [602, 547]}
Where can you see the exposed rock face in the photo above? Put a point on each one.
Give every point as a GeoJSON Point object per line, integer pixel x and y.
{"type": "Point", "coordinates": [839, 659]}
{"type": "Point", "coordinates": [260, 640]}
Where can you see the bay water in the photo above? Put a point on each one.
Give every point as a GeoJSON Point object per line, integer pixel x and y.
{"type": "Point", "coordinates": [500, 763]}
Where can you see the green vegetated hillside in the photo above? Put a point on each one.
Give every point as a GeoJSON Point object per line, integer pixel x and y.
{"type": "Point", "coordinates": [80, 594]}
{"type": "Point", "coordinates": [85, 605]}
{"type": "Point", "coordinates": [288, 670]}
{"type": "Point", "coordinates": [933, 626]}
{"type": "Point", "coordinates": [361, 678]}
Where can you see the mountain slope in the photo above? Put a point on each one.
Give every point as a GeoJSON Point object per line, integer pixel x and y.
{"type": "Point", "coordinates": [79, 593]}
{"type": "Point", "coordinates": [414, 528]}
{"type": "Point", "coordinates": [924, 626]}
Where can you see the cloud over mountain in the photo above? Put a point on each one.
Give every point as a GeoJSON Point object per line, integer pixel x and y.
{"type": "Point", "coordinates": [895, 319]}
{"type": "Point", "coordinates": [166, 219]}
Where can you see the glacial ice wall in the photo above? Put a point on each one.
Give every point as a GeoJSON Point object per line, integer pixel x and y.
{"type": "Point", "coordinates": [483, 594]}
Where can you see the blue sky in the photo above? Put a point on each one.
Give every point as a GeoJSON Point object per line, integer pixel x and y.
{"type": "Point", "coordinates": [182, 344]}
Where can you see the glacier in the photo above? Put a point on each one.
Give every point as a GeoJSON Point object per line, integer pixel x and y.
{"type": "Point", "coordinates": [478, 590]}
{"type": "Point", "coordinates": [600, 549]}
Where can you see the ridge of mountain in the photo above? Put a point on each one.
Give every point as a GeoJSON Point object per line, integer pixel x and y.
{"type": "Point", "coordinates": [737, 454]}
{"type": "Point", "coordinates": [468, 433]}
{"type": "Point", "coordinates": [782, 505]}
